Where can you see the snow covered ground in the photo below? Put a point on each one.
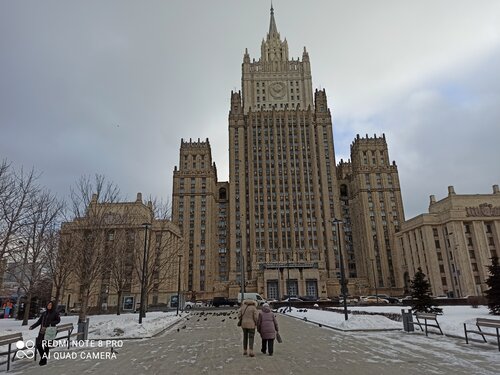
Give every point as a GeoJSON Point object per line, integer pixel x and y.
{"type": "Point", "coordinates": [451, 322]}
{"type": "Point", "coordinates": [375, 346]}
{"type": "Point", "coordinates": [126, 326]}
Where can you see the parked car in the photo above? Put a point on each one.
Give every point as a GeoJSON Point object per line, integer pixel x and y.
{"type": "Point", "coordinates": [61, 309]}
{"type": "Point", "coordinates": [373, 300]}
{"type": "Point", "coordinates": [255, 296]}
{"type": "Point", "coordinates": [292, 299]}
{"type": "Point", "coordinates": [389, 298]}
{"type": "Point", "coordinates": [309, 298]}
{"type": "Point", "coordinates": [444, 296]}
{"type": "Point", "coordinates": [223, 301]}
{"type": "Point", "coordinates": [406, 299]}
{"type": "Point", "coordinates": [188, 305]}
{"type": "Point", "coordinates": [75, 310]}
{"type": "Point", "coordinates": [350, 300]}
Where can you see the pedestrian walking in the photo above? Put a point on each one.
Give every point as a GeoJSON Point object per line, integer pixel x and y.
{"type": "Point", "coordinates": [267, 326]}
{"type": "Point", "coordinates": [7, 309]}
{"type": "Point", "coordinates": [248, 316]}
{"type": "Point", "coordinates": [49, 318]}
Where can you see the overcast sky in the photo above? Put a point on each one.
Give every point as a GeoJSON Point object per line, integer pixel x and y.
{"type": "Point", "coordinates": [111, 87]}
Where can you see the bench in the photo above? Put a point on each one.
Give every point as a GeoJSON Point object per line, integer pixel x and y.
{"type": "Point", "coordinates": [485, 323]}
{"type": "Point", "coordinates": [426, 317]}
{"type": "Point", "coordinates": [65, 327]}
{"type": "Point", "coordinates": [9, 340]}
{"type": "Point", "coordinates": [61, 328]}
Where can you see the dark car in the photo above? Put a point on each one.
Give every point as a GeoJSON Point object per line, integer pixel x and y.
{"type": "Point", "coordinates": [309, 298]}
{"type": "Point", "coordinates": [61, 309]}
{"type": "Point", "coordinates": [389, 298]}
{"type": "Point", "coordinates": [223, 301]}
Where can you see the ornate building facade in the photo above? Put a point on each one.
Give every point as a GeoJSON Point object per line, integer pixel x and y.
{"type": "Point", "coordinates": [106, 250]}
{"type": "Point", "coordinates": [271, 226]}
{"type": "Point", "coordinates": [453, 243]}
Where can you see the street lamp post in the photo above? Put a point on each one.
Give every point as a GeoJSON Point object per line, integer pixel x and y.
{"type": "Point", "coordinates": [343, 286]}
{"type": "Point", "coordinates": [179, 285]}
{"type": "Point", "coordinates": [288, 282]}
{"type": "Point", "coordinates": [278, 282]}
{"type": "Point", "coordinates": [142, 311]}
{"type": "Point", "coordinates": [242, 268]}
{"type": "Point", "coordinates": [374, 278]}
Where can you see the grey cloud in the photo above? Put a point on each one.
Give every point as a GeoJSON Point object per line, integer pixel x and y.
{"type": "Point", "coordinates": [112, 87]}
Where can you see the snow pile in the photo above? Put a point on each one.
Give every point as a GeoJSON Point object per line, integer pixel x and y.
{"type": "Point", "coordinates": [451, 321]}
{"type": "Point", "coordinates": [336, 320]}
{"type": "Point", "coordinates": [108, 326]}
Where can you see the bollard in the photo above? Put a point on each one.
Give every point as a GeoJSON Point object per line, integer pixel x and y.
{"type": "Point", "coordinates": [83, 330]}
{"type": "Point", "coordinates": [407, 320]}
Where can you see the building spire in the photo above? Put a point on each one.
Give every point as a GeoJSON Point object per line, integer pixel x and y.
{"type": "Point", "coordinates": [273, 30]}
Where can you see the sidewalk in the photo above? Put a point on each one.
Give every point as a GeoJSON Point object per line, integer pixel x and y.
{"type": "Point", "coordinates": [211, 344]}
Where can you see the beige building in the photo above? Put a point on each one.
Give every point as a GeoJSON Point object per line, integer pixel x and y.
{"type": "Point", "coordinates": [199, 207]}
{"type": "Point", "coordinates": [372, 208]}
{"type": "Point", "coordinates": [116, 253]}
{"type": "Point", "coordinates": [271, 226]}
{"type": "Point", "coordinates": [453, 243]}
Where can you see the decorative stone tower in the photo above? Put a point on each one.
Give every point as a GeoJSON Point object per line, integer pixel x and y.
{"type": "Point", "coordinates": [274, 81]}
{"type": "Point", "coordinates": [282, 181]}
{"type": "Point", "coordinates": [195, 210]}
{"type": "Point", "coordinates": [376, 213]}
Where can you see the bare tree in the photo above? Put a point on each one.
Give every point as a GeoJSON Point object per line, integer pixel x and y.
{"type": "Point", "coordinates": [89, 199]}
{"type": "Point", "coordinates": [16, 190]}
{"type": "Point", "coordinates": [163, 247]}
{"type": "Point", "coordinates": [43, 214]}
{"type": "Point", "coordinates": [5, 179]}
{"type": "Point", "coordinates": [59, 261]}
{"type": "Point", "coordinates": [122, 265]}
{"type": "Point", "coordinates": [162, 210]}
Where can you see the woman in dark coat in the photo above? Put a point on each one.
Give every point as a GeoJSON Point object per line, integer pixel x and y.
{"type": "Point", "coordinates": [267, 326]}
{"type": "Point", "coordinates": [49, 318]}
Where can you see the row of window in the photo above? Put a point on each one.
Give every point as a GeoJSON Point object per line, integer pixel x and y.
{"type": "Point", "coordinates": [263, 84]}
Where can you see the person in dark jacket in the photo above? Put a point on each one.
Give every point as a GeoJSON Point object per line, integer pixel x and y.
{"type": "Point", "coordinates": [49, 318]}
{"type": "Point", "coordinates": [267, 326]}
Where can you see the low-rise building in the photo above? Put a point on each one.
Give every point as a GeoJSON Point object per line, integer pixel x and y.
{"type": "Point", "coordinates": [113, 239]}
{"type": "Point", "coordinates": [453, 243]}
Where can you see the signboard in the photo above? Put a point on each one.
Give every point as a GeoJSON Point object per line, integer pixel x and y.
{"type": "Point", "coordinates": [173, 301]}
{"type": "Point", "coordinates": [128, 303]}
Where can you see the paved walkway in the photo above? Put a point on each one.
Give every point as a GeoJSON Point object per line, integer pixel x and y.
{"type": "Point", "coordinates": [211, 344]}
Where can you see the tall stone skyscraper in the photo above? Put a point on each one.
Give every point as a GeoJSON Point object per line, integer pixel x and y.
{"type": "Point", "coordinates": [271, 226]}
{"type": "Point", "coordinates": [282, 180]}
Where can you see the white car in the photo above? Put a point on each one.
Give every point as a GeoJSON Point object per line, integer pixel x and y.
{"type": "Point", "coordinates": [188, 305]}
{"type": "Point", "coordinates": [292, 299]}
{"type": "Point", "coordinates": [370, 300]}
